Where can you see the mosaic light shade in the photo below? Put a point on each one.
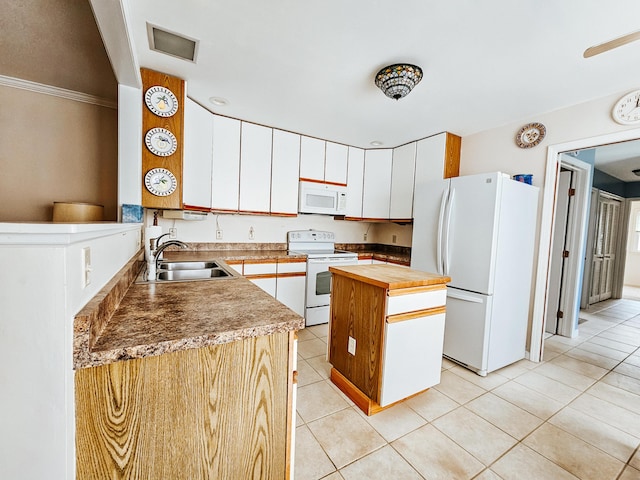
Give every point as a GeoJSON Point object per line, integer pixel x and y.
{"type": "Point", "coordinates": [396, 81]}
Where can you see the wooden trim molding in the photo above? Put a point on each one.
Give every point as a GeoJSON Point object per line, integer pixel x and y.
{"type": "Point", "coordinates": [57, 92]}
{"type": "Point", "coordinates": [322, 182]}
{"type": "Point", "coordinates": [414, 290]}
{"type": "Point", "coordinates": [402, 317]}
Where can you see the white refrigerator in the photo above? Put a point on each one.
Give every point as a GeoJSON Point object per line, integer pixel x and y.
{"type": "Point", "coordinates": [480, 231]}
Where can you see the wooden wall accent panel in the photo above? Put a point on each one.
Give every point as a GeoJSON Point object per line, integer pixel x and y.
{"type": "Point", "coordinates": [452, 155]}
{"type": "Point", "coordinates": [175, 124]}
{"type": "Point", "coordinates": [358, 310]}
{"type": "Point", "coordinates": [212, 413]}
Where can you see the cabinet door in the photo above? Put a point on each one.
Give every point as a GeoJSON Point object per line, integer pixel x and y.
{"type": "Point", "coordinates": [335, 163]}
{"type": "Point", "coordinates": [377, 183]}
{"type": "Point", "coordinates": [285, 174]}
{"type": "Point", "coordinates": [255, 168]}
{"type": "Point", "coordinates": [437, 157]}
{"type": "Point", "coordinates": [355, 180]}
{"type": "Point", "coordinates": [312, 158]}
{"type": "Point", "coordinates": [402, 173]}
{"type": "Point", "coordinates": [197, 166]}
{"type": "Point", "coordinates": [225, 183]}
{"type": "Point", "coordinates": [291, 292]}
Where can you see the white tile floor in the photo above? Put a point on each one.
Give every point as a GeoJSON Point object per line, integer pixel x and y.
{"type": "Point", "coordinates": [574, 415]}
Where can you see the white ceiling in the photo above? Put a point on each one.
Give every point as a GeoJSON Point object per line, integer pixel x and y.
{"type": "Point", "coordinates": [308, 66]}
{"type": "Point", "coordinates": [619, 159]}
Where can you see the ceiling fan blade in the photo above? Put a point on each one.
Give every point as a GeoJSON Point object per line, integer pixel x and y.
{"type": "Point", "coordinates": [611, 44]}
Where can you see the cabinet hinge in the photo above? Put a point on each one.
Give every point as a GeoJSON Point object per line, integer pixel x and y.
{"type": "Point", "coordinates": [572, 192]}
{"type": "Point", "coordinates": [565, 254]}
{"type": "Point", "coordinates": [560, 314]}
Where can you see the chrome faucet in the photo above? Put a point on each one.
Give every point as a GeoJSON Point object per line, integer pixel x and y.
{"type": "Point", "coordinates": [168, 243]}
{"type": "Point", "coordinates": [156, 254]}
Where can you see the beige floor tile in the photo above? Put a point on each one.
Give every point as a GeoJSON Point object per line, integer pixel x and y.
{"type": "Point", "coordinates": [548, 355]}
{"type": "Point", "coordinates": [447, 364]}
{"type": "Point", "coordinates": [333, 476]}
{"type": "Point", "coordinates": [548, 386]}
{"type": "Point", "coordinates": [311, 462]}
{"type": "Point", "coordinates": [320, 365]}
{"type": "Point", "coordinates": [611, 440]}
{"type": "Point", "coordinates": [320, 331]}
{"type": "Point", "coordinates": [457, 388]}
{"type": "Point", "coordinates": [394, 422]}
{"type": "Point", "coordinates": [605, 342]}
{"type": "Point", "coordinates": [608, 413]}
{"type": "Point", "coordinates": [318, 400]}
{"type": "Point", "coordinates": [633, 360]}
{"type": "Point", "coordinates": [578, 366]}
{"type": "Point", "coordinates": [489, 382]}
{"type": "Point", "coordinates": [622, 381]}
{"type": "Point", "coordinates": [635, 460]}
{"type": "Point", "coordinates": [630, 473]}
{"type": "Point", "coordinates": [436, 456]}
{"type": "Point", "coordinates": [566, 376]}
{"type": "Point", "coordinates": [487, 475]}
{"type": "Point", "coordinates": [604, 351]}
{"type": "Point", "coordinates": [617, 396]}
{"type": "Point", "coordinates": [383, 464]}
{"type": "Point", "coordinates": [307, 374]}
{"type": "Point", "coordinates": [533, 402]}
{"type": "Point", "coordinates": [516, 369]}
{"type": "Point", "coordinates": [312, 348]}
{"type": "Point", "coordinates": [431, 404]}
{"type": "Point", "coordinates": [305, 334]}
{"type": "Point", "coordinates": [556, 346]}
{"type": "Point", "coordinates": [621, 337]}
{"type": "Point", "coordinates": [299, 420]}
{"type": "Point", "coordinates": [505, 415]}
{"type": "Point", "coordinates": [573, 454]}
{"type": "Point", "coordinates": [341, 394]}
{"type": "Point", "coordinates": [346, 436]}
{"type": "Point", "coordinates": [523, 463]}
{"type": "Point", "coordinates": [592, 358]}
{"type": "Point", "coordinates": [629, 370]}
{"type": "Point", "coordinates": [480, 438]}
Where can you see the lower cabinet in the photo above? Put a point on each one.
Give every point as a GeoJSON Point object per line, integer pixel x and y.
{"type": "Point", "coordinates": [219, 412]}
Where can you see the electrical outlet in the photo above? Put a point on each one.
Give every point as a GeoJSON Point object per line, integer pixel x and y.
{"type": "Point", "coordinates": [218, 234]}
{"type": "Point", "coordinates": [351, 348]}
{"type": "Point", "coordinates": [173, 232]}
{"type": "Point", "coordinates": [252, 233]}
{"type": "Point", "coordinates": [364, 237]}
{"type": "Point", "coordinates": [394, 238]}
{"type": "Point", "coordinates": [86, 266]}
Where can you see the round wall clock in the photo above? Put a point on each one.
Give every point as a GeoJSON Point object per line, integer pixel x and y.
{"type": "Point", "coordinates": [627, 110]}
{"type": "Point", "coordinates": [161, 101]}
{"type": "Point", "coordinates": [160, 182]}
{"type": "Point", "coordinates": [161, 142]}
{"type": "Point", "coordinates": [530, 135]}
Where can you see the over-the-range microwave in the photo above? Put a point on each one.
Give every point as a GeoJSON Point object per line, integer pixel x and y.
{"type": "Point", "coordinates": [322, 198]}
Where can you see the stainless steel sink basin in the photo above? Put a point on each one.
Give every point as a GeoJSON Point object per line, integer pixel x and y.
{"type": "Point", "coordinates": [186, 265]}
{"type": "Point", "coordinates": [199, 274]}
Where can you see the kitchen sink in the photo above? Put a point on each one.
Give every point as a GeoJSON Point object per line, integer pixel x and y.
{"type": "Point", "coordinates": [185, 271]}
{"type": "Point", "coordinates": [198, 274]}
{"type": "Point", "coordinates": [186, 265]}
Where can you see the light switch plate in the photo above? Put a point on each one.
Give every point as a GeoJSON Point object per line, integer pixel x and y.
{"type": "Point", "coordinates": [86, 266]}
{"type": "Point", "coordinates": [351, 348]}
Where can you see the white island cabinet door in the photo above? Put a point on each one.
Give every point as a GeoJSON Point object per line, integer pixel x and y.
{"type": "Point", "coordinates": [198, 145]}
{"type": "Point", "coordinates": [377, 183]}
{"type": "Point", "coordinates": [312, 158]}
{"type": "Point", "coordinates": [255, 168]}
{"type": "Point", "coordinates": [335, 163]}
{"type": "Point", "coordinates": [226, 164]}
{"type": "Point", "coordinates": [285, 173]}
{"type": "Point", "coordinates": [404, 164]}
{"type": "Point", "coordinates": [355, 180]}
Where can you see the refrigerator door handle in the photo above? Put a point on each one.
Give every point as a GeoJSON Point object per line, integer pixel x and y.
{"type": "Point", "coordinates": [447, 226]}
{"type": "Point", "coordinates": [443, 207]}
{"type": "Point", "coordinates": [463, 296]}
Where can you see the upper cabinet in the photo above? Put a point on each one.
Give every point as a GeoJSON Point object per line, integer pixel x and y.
{"type": "Point", "coordinates": [376, 195]}
{"type": "Point", "coordinates": [402, 173]}
{"type": "Point", "coordinates": [225, 180]}
{"type": "Point", "coordinates": [323, 161]}
{"type": "Point", "coordinates": [355, 180]}
{"type": "Point", "coordinates": [255, 168]}
{"type": "Point", "coordinates": [285, 168]}
{"type": "Point", "coordinates": [438, 157]}
{"type": "Point", "coordinates": [198, 145]}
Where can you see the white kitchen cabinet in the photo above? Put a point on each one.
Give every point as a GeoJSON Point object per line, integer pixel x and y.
{"type": "Point", "coordinates": [335, 163]}
{"type": "Point", "coordinates": [402, 179]}
{"type": "Point", "coordinates": [262, 274]}
{"type": "Point", "coordinates": [376, 195]}
{"type": "Point", "coordinates": [355, 179]}
{"type": "Point", "coordinates": [437, 157]}
{"type": "Point", "coordinates": [312, 151]}
{"type": "Point", "coordinates": [255, 168]}
{"type": "Point", "coordinates": [197, 166]}
{"type": "Point", "coordinates": [225, 182]}
{"type": "Point", "coordinates": [291, 283]}
{"type": "Point", "coordinates": [285, 164]}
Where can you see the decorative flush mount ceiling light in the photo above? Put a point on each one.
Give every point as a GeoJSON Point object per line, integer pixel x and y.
{"type": "Point", "coordinates": [396, 81]}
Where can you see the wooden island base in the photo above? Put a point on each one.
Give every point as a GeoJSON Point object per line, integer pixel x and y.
{"type": "Point", "coordinates": [364, 403]}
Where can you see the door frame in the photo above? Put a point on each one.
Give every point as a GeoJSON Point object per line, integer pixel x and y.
{"type": "Point", "coordinates": [547, 223]}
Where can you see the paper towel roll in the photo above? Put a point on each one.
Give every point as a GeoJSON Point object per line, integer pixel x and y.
{"type": "Point", "coordinates": [153, 231]}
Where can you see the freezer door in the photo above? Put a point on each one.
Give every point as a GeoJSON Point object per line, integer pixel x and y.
{"type": "Point", "coordinates": [467, 328]}
{"type": "Point", "coordinates": [428, 211]}
{"type": "Point", "coordinates": [470, 244]}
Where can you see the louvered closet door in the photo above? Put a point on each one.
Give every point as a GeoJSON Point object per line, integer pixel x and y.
{"type": "Point", "coordinates": [604, 254]}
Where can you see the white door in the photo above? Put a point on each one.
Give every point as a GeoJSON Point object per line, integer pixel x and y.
{"type": "Point", "coordinates": [604, 249]}
{"type": "Point", "coordinates": [557, 249]}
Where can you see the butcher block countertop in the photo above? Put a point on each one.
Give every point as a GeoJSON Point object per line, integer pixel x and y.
{"type": "Point", "coordinates": [391, 277]}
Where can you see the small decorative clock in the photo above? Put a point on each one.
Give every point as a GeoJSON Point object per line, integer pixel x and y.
{"type": "Point", "coordinates": [160, 182]}
{"type": "Point", "coordinates": [161, 142]}
{"type": "Point", "coordinates": [161, 101]}
{"type": "Point", "coordinates": [626, 111]}
{"type": "Point", "coordinates": [530, 135]}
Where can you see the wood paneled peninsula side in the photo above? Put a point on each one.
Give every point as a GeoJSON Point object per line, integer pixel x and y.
{"type": "Point", "coordinates": [386, 333]}
{"type": "Point", "coordinates": [184, 380]}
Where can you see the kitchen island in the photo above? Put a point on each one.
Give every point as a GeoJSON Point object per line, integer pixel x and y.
{"type": "Point", "coordinates": [184, 380]}
{"type": "Point", "coordinates": [386, 333]}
